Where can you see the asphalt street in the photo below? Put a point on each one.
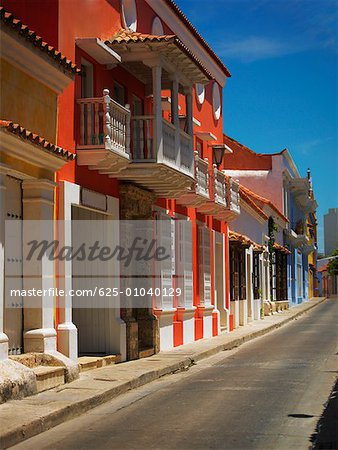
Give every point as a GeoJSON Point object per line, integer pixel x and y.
{"type": "Point", "coordinates": [268, 394]}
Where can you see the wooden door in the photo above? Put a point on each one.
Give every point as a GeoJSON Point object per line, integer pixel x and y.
{"type": "Point", "coordinates": [91, 314]}
{"type": "Point", "coordinates": [13, 314]}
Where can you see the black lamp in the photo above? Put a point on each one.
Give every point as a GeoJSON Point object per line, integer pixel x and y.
{"type": "Point", "coordinates": [217, 154]}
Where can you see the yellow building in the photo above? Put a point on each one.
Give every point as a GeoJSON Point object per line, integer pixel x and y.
{"type": "Point", "coordinates": [311, 232]}
{"type": "Point", "coordinates": [32, 75]}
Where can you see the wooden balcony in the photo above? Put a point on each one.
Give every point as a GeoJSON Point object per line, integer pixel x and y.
{"type": "Point", "coordinates": [104, 142]}
{"type": "Point", "coordinates": [166, 169]}
{"type": "Point", "coordinates": [213, 192]}
{"type": "Point", "coordinates": [295, 237]}
{"type": "Point", "coordinates": [225, 197]}
{"type": "Point", "coordinates": [200, 193]}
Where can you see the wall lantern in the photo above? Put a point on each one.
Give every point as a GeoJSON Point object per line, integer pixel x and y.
{"type": "Point", "coordinates": [217, 154]}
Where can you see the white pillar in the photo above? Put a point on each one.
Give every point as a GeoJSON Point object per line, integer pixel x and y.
{"type": "Point", "coordinates": [157, 112]}
{"type": "Point", "coordinates": [3, 336]}
{"type": "Point", "coordinates": [189, 112]}
{"type": "Point", "coordinates": [38, 204]}
{"type": "Point", "coordinates": [67, 332]}
{"type": "Point", "coordinates": [175, 118]}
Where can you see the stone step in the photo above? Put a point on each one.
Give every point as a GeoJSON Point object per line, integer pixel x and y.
{"type": "Point", "coordinates": [27, 359]}
{"type": "Point", "coordinates": [95, 362]}
{"type": "Point", "coordinates": [146, 352]}
{"type": "Point", "coordinates": [48, 377]}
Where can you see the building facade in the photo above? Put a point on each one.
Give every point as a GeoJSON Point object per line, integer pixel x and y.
{"type": "Point", "coordinates": [330, 231]}
{"type": "Point", "coordinates": [144, 120]}
{"type": "Point", "coordinates": [129, 139]}
{"type": "Point", "coordinates": [276, 177]}
{"type": "Point", "coordinates": [32, 77]}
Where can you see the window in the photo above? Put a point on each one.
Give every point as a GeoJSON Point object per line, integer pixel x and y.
{"type": "Point", "coordinates": [237, 272]}
{"type": "Point", "coordinates": [256, 275]}
{"type": "Point", "coordinates": [204, 265]}
{"type": "Point", "coordinates": [119, 93]}
{"type": "Point", "coordinates": [281, 276]}
{"type": "Point", "coordinates": [184, 272]}
{"type": "Point", "coordinates": [87, 80]}
{"type": "Point", "coordinates": [199, 147]}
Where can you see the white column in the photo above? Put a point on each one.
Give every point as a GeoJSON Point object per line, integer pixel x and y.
{"type": "Point", "coordinates": [67, 331]}
{"type": "Point", "coordinates": [175, 118]}
{"type": "Point", "coordinates": [157, 112]}
{"type": "Point", "coordinates": [189, 113]}
{"type": "Point", "coordinates": [38, 273]}
{"type": "Point", "coordinates": [3, 336]}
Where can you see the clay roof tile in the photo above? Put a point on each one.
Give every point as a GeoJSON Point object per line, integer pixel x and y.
{"type": "Point", "coordinates": [9, 20]}
{"type": "Point", "coordinates": [126, 36]}
{"type": "Point", "coordinates": [35, 139]}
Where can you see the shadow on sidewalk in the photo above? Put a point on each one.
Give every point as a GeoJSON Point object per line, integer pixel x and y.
{"type": "Point", "coordinates": [326, 435]}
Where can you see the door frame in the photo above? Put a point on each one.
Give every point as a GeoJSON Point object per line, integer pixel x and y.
{"type": "Point", "coordinates": [75, 195]}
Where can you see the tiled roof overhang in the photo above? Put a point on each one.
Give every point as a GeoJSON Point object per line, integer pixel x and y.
{"type": "Point", "coordinates": [35, 139]}
{"type": "Point", "coordinates": [244, 240]}
{"type": "Point", "coordinates": [131, 38]}
{"type": "Point", "coordinates": [246, 197]}
{"type": "Point", "coordinates": [263, 200]}
{"type": "Point", "coordinates": [201, 40]}
{"type": "Point", "coordinates": [281, 248]}
{"type": "Point", "coordinates": [36, 41]}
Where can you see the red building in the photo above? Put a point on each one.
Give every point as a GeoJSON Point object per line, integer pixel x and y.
{"type": "Point", "coordinates": [145, 121]}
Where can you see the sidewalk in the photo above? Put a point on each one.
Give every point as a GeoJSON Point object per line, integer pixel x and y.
{"type": "Point", "coordinates": [22, 419]}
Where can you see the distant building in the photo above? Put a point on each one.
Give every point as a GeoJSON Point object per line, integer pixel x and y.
{"type": "Point", "coordinates": [331, 231]}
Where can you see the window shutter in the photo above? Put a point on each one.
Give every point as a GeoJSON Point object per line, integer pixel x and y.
{"type": "Point", "coordinates": [164, 239]}
{"type": "Point", "coordinates": [188, 272]}
{"type": "Point", "coordinates": [206, 265]}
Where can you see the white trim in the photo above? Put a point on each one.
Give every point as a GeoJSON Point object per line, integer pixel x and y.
{"type": "Point", "coordinates": [98, 50]}
{"type": "Point", "coordinates": [187, 37]}
{"type": "Point", "coordinates": [70, 195]}
{"type": "Point", "coordinates": [206, 136]}
{"type": "Point", "coordinates": [129, 14]}
{"type": "Point", "coordinates": [286, 154]}
{"type": "Point", "coordinates": [249, 209]}
{"type": "Point", "coordinates": [200, 93]}
{"type": "Point", "coordinates": [157, 27]}
{"type": "Point", "coordinates": [196, 122]}
{"type": "Point", "coordinates": [246, 173]}
{"type": "Point", "coordinates": [216, 101]}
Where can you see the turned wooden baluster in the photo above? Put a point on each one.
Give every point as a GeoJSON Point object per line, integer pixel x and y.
{"type": "Point", "coordinates": [89, 124]}
{"type": "Point", "coordinates": [150, 148]}
{"type": "Point", "coordinates": [97, 130]}
{"type": "Point", "coordinates": [127, 130]}
{"type": "Point", "coordinates": [82, 127]}
{"type": "Point", "coordinates": [107, 118]}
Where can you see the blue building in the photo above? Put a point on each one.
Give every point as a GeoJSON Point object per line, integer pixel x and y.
{"type": "Point", "coordinates": [298, 203]}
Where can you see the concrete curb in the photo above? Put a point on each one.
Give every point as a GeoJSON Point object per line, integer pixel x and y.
{"type": "Point", "coordinates": [255, 334]}
{"type": "Point", "coordinates": [30, 426]}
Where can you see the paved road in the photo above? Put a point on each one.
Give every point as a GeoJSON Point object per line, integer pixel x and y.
{"type": "Point", "coordinates": [267, 394]}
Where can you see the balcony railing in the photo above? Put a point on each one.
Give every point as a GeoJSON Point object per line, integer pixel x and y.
{"type": "Point", "coordinates": [142, 138]}
{"type": "Point", "coordinates": [221, 188]}
{"type": "Point", "coordinates": [202, 176]}
{"type": "Point", "coordinates": [104, 123]}
{"type": "Point", "coordinates": [177, 153]}
{"type": "Point", "coordinates": [187, 157]}
{"type": "Point", "coordinates": [234, 197]}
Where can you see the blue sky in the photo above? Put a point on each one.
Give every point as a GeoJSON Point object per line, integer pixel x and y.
{"type": "Point", "coordinates": [282, 55]}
